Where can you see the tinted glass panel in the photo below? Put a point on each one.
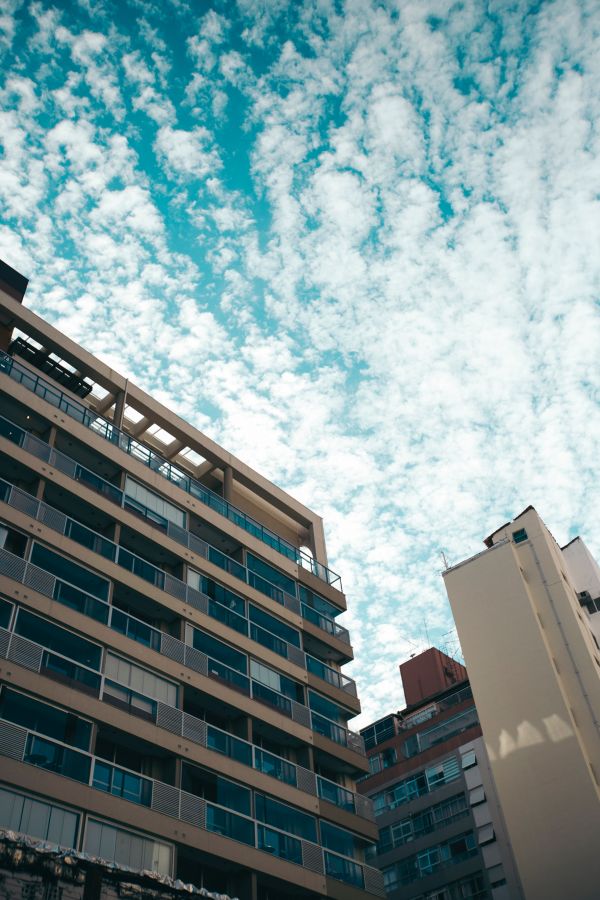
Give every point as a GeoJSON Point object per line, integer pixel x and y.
{"type": "Point", "coordinates": [270, 574]}
{"type": "Point", "coordinates": [69, 571]}
{"type": "Point", "coordinates": [38, 716]}
{"type": "Point", "coordinates": [57, 639]}
{"type": "Point", "coordinates": [279, 815]}
{"type": "Point", "coordinates": [222, 652]}
{"type": "Point", "coordinates": [275, 626]}
{"type": "Point", "coordinates": [6, 609]}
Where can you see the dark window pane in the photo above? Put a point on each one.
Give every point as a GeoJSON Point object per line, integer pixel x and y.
{"type": "Point", "coordinates": [69, 571]}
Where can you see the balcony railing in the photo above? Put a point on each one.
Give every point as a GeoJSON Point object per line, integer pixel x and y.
{"type": "Point", "coordinates": [33, 656]}
{"type": "Point", "coordinates": [31, 748]}
{"type": "Point", "coordinates": [57, 521]}
{"type": "Point", "coordinates": [85, 416]}
{"type": "Point", "coordinates": [49, 586]}
{"type": "Point", "coordinates": [68, 466]}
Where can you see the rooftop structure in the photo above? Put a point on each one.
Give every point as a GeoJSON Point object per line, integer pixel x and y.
{"type": "Point", "coordinates": [171, 691]}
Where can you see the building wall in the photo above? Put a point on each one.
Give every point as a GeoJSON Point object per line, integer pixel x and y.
{"type": "Point", "coordinates": [535, 669]}
{"type": "Point", "coordinates": [272, 731]}
{"type": "Point", "coordinates": [442, 834]}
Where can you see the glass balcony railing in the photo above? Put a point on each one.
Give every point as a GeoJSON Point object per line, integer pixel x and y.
{"type": "Point", "coordinates": [22, 438]}
{"type": "Point", "coordinates": [28, 653]}
{"type": "Point", "coordinates": [52, 394]}
{"type": "Point", "coordinates": [31, 748]}
{"type": "Point", "coordinates": [73, 597]}
{"type": "Point", "coordinates": [207, 665]}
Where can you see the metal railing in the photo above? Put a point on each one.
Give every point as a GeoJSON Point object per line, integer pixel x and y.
{"type": "Point", "coordinates": [81, 534]}
{"type": "Point", "coordinates": [18, 743]}
{"type": "Point", "coordinates": [39, 659]}
{"type": "Point", "coordinates": [49, 586]}
{"type": "Point", "coordinates": [77, 472]}
{"type": "Point", "coordinates": [85, 416]}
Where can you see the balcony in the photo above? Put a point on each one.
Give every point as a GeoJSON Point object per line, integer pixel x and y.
{"type": "Point", "coordinates": [72, 596]}
{"type": "Point", "coordinates": [85, 416]}
{"type": "Point", "coordinates": [84, 476]}
{"type": "Point", "coordinates": [28, 747]}
{"type": "Point", "coordinates": [37, 658]}
{"type": "Point", "coordinates": [202, 663]}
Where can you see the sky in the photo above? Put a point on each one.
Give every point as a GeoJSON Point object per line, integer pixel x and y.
{"type": "Point", "coordinates": [356, 243]}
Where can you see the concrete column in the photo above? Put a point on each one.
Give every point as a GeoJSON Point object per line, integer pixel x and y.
{"type": "Point", "coordinates": [119, 408]}
{"type": "Point", "coordinates": [317, 542]}
{"type": "Point", "coordinates": [228, 483]}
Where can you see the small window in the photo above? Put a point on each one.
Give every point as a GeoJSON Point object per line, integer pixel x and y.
{"type": "Point", "coordinates": [485, 834]}
{"type": "Point", "coordinates": [469, 759]}
{"type": "Point", "coordinates": [477, 795]}
{"type": "Point", "coordinates": [519, 536]}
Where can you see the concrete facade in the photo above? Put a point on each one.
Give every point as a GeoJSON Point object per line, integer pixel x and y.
{"type": "Point", "coordinates": [171, 684]}
{"type": "Point", "coordinates": [534, 666]}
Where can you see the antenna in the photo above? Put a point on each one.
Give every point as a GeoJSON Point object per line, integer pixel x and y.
{"type": "Point", "coordinates": [443, 555]}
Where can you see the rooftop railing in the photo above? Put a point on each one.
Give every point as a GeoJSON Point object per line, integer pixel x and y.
{"type": "Point", "coordinates": [75, 470]}
{"type": "Point", "coordinates": [85, 416]}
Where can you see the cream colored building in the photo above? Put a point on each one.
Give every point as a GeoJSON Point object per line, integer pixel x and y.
{"type": "Point", "coordinates": [534, 666]}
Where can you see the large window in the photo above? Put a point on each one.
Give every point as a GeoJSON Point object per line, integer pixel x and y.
{"type": "Point", "coordinates": [271, 574]}
{"type": "Point", "coordinates": [48, 720]}
{"type": "Point", "coordinates": [58, 639]}
{"type": "Point", "coordinates": [65, 570]}
{"type": "Point", "coordinates": [280, 815]}
{"type": "Point", "coordinates": [141, 500]}
{"type": "Point", "coordinates": [41, 820]}
{"type": "Point", "coordinates": [275, 626]}
{"type": "Point", "coordinates": [6, 609]}
{"type": "Point", "coordinates": [277, 682]}
{"type": "Point", "coordinates": [140, 680]}
{"type": "Point", "coordinates": [220, 651]}
{"type": "Point", "coordinates": [216, 789]}
{"type": "Point", "coordinates": [417, 785]}
{"type": "Point", "coordinates": [127, 848]}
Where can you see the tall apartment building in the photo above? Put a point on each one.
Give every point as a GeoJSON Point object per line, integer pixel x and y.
{"type": "Point", "coordinates": [526, 611]}
{"type": "Point", "coordinates": [441, 832]}
{"type": "Point", "coordinates": [170, 661]}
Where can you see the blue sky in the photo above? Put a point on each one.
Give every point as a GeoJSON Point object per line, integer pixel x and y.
{"type": "Point", "coordinates": [357, 243]}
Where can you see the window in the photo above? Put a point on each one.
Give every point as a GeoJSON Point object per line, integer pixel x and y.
{"type": "Point", "coordinates": [66, 570]}
{"type": "Point", "coordinates": [123, 784]}
{"type": "Point", "coordinates": [49, 755]}
{"type": "Point", "coordinates": [519, 536]}
{"type": "Point", "coordinates": [220, 821]}
{"type": "Point", "coordinates": [58, 639]}
{"type": "Point", "coordinates": [477, 795]}
{"type": "Point", "coordinates": [468, 759]}
{"type": "Point", "coordinates": [279, 844]}
{"type": "Point", "coordinates": [140, 499]}
{"type": "Point", "coordinates": [485, 834]}
{"type": "Point", "coordinates": [140, 680]}
{"type": "Point", "coordinates": [339, 840]}
{"type": "Point", "coordinates": [344, 870]}
{"type": "Point", "coordinates": [127, 848]}
{"type": "Point", "coordinates": [275, 626]}
{"type": "Point", "coordinates": [6, 609]}
{"type": "Point", "coordinates": [220, 651]}
{"type": "Point", "coordinates": [216, 592]}
{"type": "Point", "coordinates": [286, 818]}
{"type": "Point", "coordinates": [274, 576]}
{"type": "Point", "coordinates": [216, 789]}
{"type": "Point", "coordinates": [44, 821]}
{"type": "Point", "coordinates": [48, 720]}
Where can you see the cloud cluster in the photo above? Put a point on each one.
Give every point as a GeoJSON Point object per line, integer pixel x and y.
{"type": "Point", "coordinates": [356, 244]}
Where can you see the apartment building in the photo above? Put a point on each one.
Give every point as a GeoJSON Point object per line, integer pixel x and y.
{"type": "Point", "coordinates": [171, 686]}
{"type": "Point", "coordinates": [526, 612]}
{"type": "Point", "coordinates": [441, 831]}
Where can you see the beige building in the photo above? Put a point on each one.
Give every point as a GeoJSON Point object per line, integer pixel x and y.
{"type": "Point", "coordinates": [522, 610]}
{"type": "Point", "coordinates": [171, 686]}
